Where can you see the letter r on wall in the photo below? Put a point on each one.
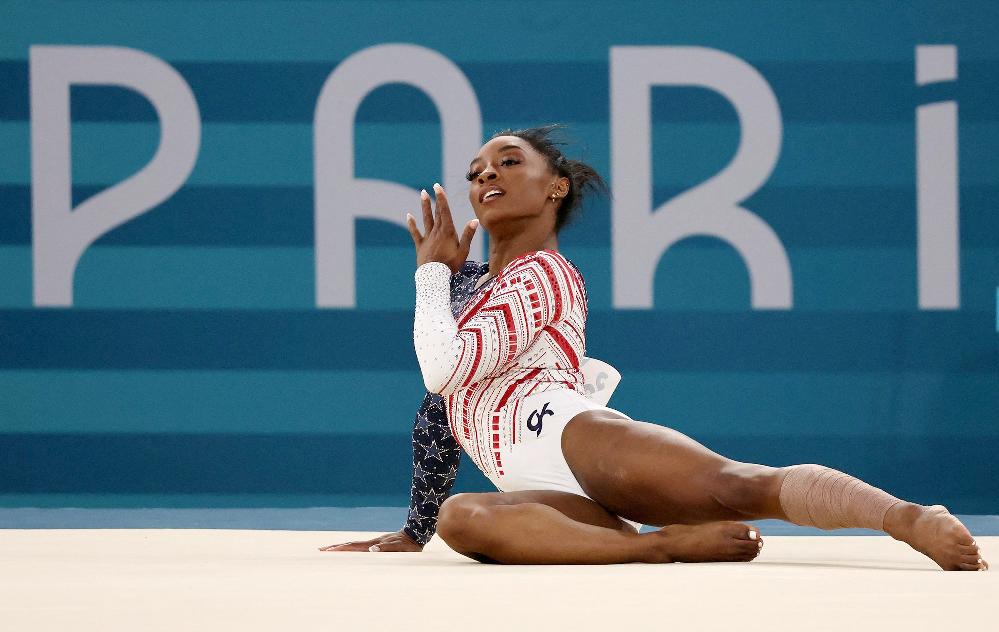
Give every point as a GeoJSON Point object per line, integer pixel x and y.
{"type": "Point", "coordinates": [642, 234]}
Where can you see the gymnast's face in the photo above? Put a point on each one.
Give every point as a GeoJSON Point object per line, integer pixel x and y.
{"type": "Point", "coordinates": [512, 186]}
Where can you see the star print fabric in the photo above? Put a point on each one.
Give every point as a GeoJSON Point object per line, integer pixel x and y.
{"type": "Point", "coordinates": [436, 453]}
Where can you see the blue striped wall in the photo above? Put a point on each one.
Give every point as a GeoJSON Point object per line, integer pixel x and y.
{"type": "Point", "coordinates": [195, 368]}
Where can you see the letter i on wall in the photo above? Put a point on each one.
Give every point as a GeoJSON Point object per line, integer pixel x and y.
{"type": "Point", "coordinates": [938, 244]}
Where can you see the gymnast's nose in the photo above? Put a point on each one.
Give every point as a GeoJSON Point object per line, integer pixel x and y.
{"type": "Point", "coordinates": [487, 174]}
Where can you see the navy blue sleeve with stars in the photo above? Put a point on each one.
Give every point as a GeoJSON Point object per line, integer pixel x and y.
{"type": "Point", "coordinates": [436, 453]}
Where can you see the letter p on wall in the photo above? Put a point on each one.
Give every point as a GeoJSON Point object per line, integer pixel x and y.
{"type": "Point", "coordinates": [60, 233]}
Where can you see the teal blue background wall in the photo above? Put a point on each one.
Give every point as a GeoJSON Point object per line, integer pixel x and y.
{"type": "Point", "coordinates": [195, 368]}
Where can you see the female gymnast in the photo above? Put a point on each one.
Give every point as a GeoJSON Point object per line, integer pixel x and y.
{"type": "Point", "coordinates": [499, 345]}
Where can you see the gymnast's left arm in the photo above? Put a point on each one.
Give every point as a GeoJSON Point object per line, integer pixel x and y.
{"type": "Point", "coordinates": [439, 254]}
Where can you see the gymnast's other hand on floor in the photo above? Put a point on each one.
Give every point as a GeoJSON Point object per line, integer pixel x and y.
{"type": "Point", "coordinates": [388, 543]}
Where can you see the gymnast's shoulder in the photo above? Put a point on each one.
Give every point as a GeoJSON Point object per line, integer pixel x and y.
{"type": "Point", "coordinates": [552, 262]}
{"type": "Point", "coordinates": [544, 257]}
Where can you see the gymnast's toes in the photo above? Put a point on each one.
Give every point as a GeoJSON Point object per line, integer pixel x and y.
{"type": "Point", "coordinates": [710, 542]}
{"type": "Point", "coordinates": [939, 535]}
{"type": "Point", "coordinates": [746, 540]}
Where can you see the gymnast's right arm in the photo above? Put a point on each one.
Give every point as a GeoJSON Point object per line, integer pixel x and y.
{"type": "Point", "coordinates": [436, 456]}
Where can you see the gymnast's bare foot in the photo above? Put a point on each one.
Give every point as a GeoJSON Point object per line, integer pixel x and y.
{"type": "Point", "coordinates": [711, 542]}
{"type": "Point", "coordinates": [937, 534]}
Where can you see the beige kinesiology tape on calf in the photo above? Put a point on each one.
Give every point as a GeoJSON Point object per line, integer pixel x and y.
{"type": "Point", "coordinates": [818, 496]}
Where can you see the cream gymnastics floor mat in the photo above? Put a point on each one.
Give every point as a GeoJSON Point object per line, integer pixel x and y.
{"type": "Point", "coordinates": [214, 579]}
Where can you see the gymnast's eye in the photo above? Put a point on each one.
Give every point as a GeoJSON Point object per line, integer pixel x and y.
{"type": "Point", "coordinates": [506, 162]}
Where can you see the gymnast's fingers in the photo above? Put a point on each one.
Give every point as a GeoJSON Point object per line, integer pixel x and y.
{"type": "Point", "coordinates": [428, 215]}
{"type": "Point", "coordinates": [414, 232]}
{"type": "Point", "coordinates": [348, 546]}
{"type": "Point", "coordinates": [443, 210]}
{"type": "Point", "coordinates": [465, 243]}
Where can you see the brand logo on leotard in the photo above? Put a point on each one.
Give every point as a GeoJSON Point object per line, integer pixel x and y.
{"type": "Point", "coordinates": [539, 414]}
{"type": "Point", "coordinates": [601, 381]}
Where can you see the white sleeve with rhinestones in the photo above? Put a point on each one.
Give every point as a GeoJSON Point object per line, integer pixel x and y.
{"type": "Point", "coordinates": [434, 328]}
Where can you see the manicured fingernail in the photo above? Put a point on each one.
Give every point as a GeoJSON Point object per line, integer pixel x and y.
{"type": "Point", "coordinates": [374, 547]}
{"type": "Point", "coordinates": [424, 194]}
{"type": "Point", "coordinates": [437, 185]}
{"type": "Point", "coordinates": [408, 217]}
{"type": "Point", "coordinates": [475, 223]}
{"type": "Point", "coordinates": [752, 535]}
{"type": "Point", "coordinates": [760, 545]}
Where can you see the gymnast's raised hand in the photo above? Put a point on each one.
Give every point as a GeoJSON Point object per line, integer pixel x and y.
{"type": "Point", "coordinates": [440, 241]}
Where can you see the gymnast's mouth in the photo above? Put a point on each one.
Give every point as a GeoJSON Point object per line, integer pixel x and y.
{"type": "Point", "coordinates": [491, 193]}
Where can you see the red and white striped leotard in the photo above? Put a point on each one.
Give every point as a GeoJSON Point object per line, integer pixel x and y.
{"type": "Point", "coordinates": [522, 334]}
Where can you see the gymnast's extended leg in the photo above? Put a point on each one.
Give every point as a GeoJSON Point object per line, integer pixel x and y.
{"type": "Point", "coordinates": [658, 476]}
{"type": "Point", "coordinates": [554, 527]}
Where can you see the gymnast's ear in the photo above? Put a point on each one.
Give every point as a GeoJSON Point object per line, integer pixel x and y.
{"type": "Point", "coordinates": [559, 188]}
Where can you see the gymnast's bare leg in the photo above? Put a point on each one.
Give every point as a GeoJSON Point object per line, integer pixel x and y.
{"type": "Point", "coordinates": [553, 527]}
{"type": "Point", "coordinates": [655, 475]}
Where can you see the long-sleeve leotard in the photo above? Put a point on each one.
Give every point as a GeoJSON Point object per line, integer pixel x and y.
{"type": "Point", "coordinates": [522, 334]}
